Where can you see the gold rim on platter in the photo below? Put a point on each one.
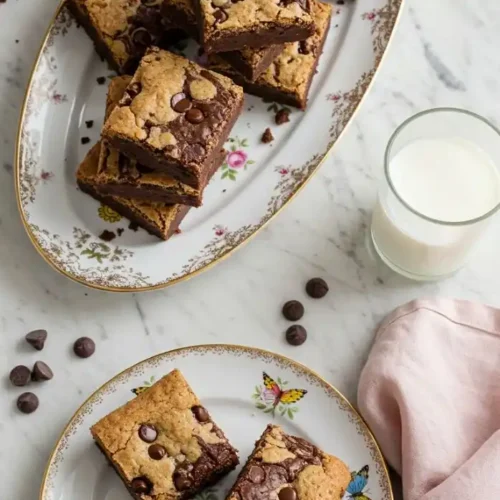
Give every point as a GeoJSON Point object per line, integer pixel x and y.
{"type": "Point", "coordinates": [209, 265]}
{"type": "Point", "coordinates": [225, 348]}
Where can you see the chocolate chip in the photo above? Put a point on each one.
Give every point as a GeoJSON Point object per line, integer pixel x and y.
{"type": "Point", "coordinates": [134, 89]}
{"type": "Point", "coordinates": [195, 115]}
{"type": "Point", "coordinates": [220, 16]}
{"type": "Point", "coordinates": [85, 140]}
{"type": "Point", "coordinates": [182, 481]}
{"type": "Point", "coordinates": [293, 310]}
{"type": "Point", "coordinates": [101, 80]}
{"type": "Point", "coordinates": [200, 413]}
{"type": "Point", "coordinates": [133, 226]}
{"type": "Point", "coordinates": [316, 288]}
{"type": "Point", "coordinates": [41, 371]}
{"type": "Point", "coordinates": [256, 474]}
{"type": "Point", "coordinates": [148, 433]}
{"type": "Point", "coordinates": [287, 493]}
{"type": "Point", "coordinates": [140, 485]}
{"type": "Point", "coordinates": [107, 236]}
{"type": "Point", "coordinates": [27, 402]}
{"type": "Point", "coordinates": [282, 116]}
{"type": "Point", "coordinates": [89, 123]}
{"type": "Point", "coordinates": [157, 451]}
{"type": "Point", "coordinates": [180, 103]}
{"type": "Point", "coordinates": [20, 375]}
{"type": "Point", "coordinates": [267, 136]}
{"type": "Point", "coordinates": [141, 37]}
{"type": "Point", "coordinates": [84, 347]}
{"type": "Point", "coordinates": [37, 339]}
{"type": "Point", "coordinates": [304, 48]}
{"type": "Point", "coordinates": [119, 231]}
{"type": "Point", "coordinates": [296, 335]}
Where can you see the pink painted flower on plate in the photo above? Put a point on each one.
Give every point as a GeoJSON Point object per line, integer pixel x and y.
{"type": "Point", "coordinates": [283, 171]}
{"type": "Point", "coordinates": [237, 159]}
{"type": "Point", "coordinates": [219, 230]}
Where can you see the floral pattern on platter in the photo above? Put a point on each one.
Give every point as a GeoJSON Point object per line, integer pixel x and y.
{"type": "Point", "coordinates": [236, 159]}
{"type": "Point", "coordinates": [274, 397]}
{"type": "Point", "coordinates": [108, 214]}
{"type": "Point", "coordinates": [275, 179]}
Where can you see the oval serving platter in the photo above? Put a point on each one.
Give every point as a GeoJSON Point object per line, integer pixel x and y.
{"type": "Point", "coordinates": [232, 385]}
{"type": "Point", "coordinates": [254, 183]}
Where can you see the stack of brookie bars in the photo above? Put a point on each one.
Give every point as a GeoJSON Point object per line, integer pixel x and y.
{"type": "Point", "coordinates": [165, 126]}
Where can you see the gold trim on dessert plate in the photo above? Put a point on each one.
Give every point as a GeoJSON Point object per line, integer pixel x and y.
{"type": "Point", "coordinates": [254, 352]}
{"type": "Point", "coordinates": [190, 274]}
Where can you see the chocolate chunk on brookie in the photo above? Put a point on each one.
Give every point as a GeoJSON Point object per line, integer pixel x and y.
{"type": "Point", "coordinates": [174, 117]}
{"type": "Point", "coordinates": [167, 446]}
{"type": "Point", "coordinates": [285, 467]}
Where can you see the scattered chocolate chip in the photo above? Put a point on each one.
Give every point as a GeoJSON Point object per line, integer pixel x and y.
{"type": "Point", "coordinates": [182, 481]}
{"type": "Point", "coordinates": [17, 41]}
{"type": "Point", "coordinates": [148, 433]}
{"type": "Point", "coordinates": [282, 116]}
{"type": "Point", "coordinates": [85, 140]}
{"type": "Point", "coordinates": [20, 375]}
{"type": "Point", "coordinates": [37, 339]}
{"type": "Point", "coordinates": [220, 16]}
{"type": "Point", "coordinates": [180, 103]}
{"type": "Point", "coordinates": [316, 288]}
{"type": "Point", "coordinates": [267, 136]}
{"type": "Point", "coordinates": [89, 123]}
{"type": "Point", "coordinates": [107, 235]}
{"type": "Point", "coordinates": [101, 80]}
{"type": "Point", "coordinates": [140, 485]}
{"type": "Point", "coordinates": [41, 371]}
{"type": "Point", "coordinates": [27, 402]}
{"type": "Point", "coordinates": [293, 310]}
{"type": "Point", "coordinates": [133, 226]}
{"type": "Point", "coordinates": [296, 335]}
{"type": "Point", "coordinates": [195, 116]}
{"type": "Point", "coordinates": [200, 413]}
{"type": "Point", "coordinates": [119, 231]}
{"type": "Point", "coordinates": [157, 451]}
{"type": "Point", "coordinates": [84, 347]}
{"type": "Point", "coordinates": [287, 493]}
{"type": "Point", "coordinates": [256, 474]}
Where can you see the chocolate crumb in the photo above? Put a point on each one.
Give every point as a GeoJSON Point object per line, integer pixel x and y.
{"type": "Point", "coordinates": [120, 231]}
{"type": "Point", "coordinates": [85, 140]}
{"type": "Point", "coordinates": [282, 116]}
{"type": "Point", "coordinates": [133, 226]}
{"type": "Point", "coordinates": [340, 2]}
{"type": "Point", "coordinates": [17, 41]}
{"type": "Point", "coordinates": [267, 136]}
{"type": "Point", "coordinates": [89, 123]}
{"type": "Point", "coordinates": [101, 80]}
{"type": "Point", "coordinates": [107, 235]}
{"type": "Point", "coordinates": [178, 231]}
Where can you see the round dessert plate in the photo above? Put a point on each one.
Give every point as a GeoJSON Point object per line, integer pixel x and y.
{"type": "Point", "coordinates": [67, 93]}
{"type": "Point", "coordinates": [229, 380]}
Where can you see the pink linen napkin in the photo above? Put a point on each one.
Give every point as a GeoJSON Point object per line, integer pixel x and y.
{"type": "Point", "coordinates": [430, 392]}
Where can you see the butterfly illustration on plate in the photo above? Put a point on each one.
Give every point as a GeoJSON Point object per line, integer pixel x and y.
{"type": "Point", "coordinates": [358, 483]}
{"type": "Point", "coordinates": [274, 397]}
{"type": "Point", "coordinates": [145, 387]}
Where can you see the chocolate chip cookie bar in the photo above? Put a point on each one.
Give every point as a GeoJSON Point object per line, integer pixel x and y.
{"type": "Point", "coordinates": [119, 175]}
{"type": "Point", "coordinates": [285, 467]}
{"type": "Point", "coordinates": [122, 30]}
{"type": "Point", "coordinates": [157, 219]}
{"type": "Point", "coordinates": [251, 63]}
{"type": "Point", "coordinates": [174, 117]}
{"type": "Point", "coordinates": [164, 444]}
{"type": "Point", "coordinates": [227, 25]}
{"type": "Point", "coordinates": [288, 79]}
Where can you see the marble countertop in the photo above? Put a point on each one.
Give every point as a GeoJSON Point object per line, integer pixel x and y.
{"type": "Point", "coordinates": [444, 54]}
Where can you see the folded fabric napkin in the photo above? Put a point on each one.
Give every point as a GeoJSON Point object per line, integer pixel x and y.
{"type": "Point", "coordinates": [430, 392]}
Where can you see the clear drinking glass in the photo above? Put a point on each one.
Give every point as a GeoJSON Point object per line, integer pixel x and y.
{"type": "Point", "coordinates": [417, 244]}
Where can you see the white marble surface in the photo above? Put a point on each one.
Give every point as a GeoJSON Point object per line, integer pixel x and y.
{"type": "Point", "coordinates": [444, 53]}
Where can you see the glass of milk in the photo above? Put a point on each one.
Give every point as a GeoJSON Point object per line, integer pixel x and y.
{"type": "Point", "coordinates": [441, 188]}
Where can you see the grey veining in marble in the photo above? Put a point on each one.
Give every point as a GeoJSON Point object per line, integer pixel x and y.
{"type": "Point", "coordinates": [445, 54]}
